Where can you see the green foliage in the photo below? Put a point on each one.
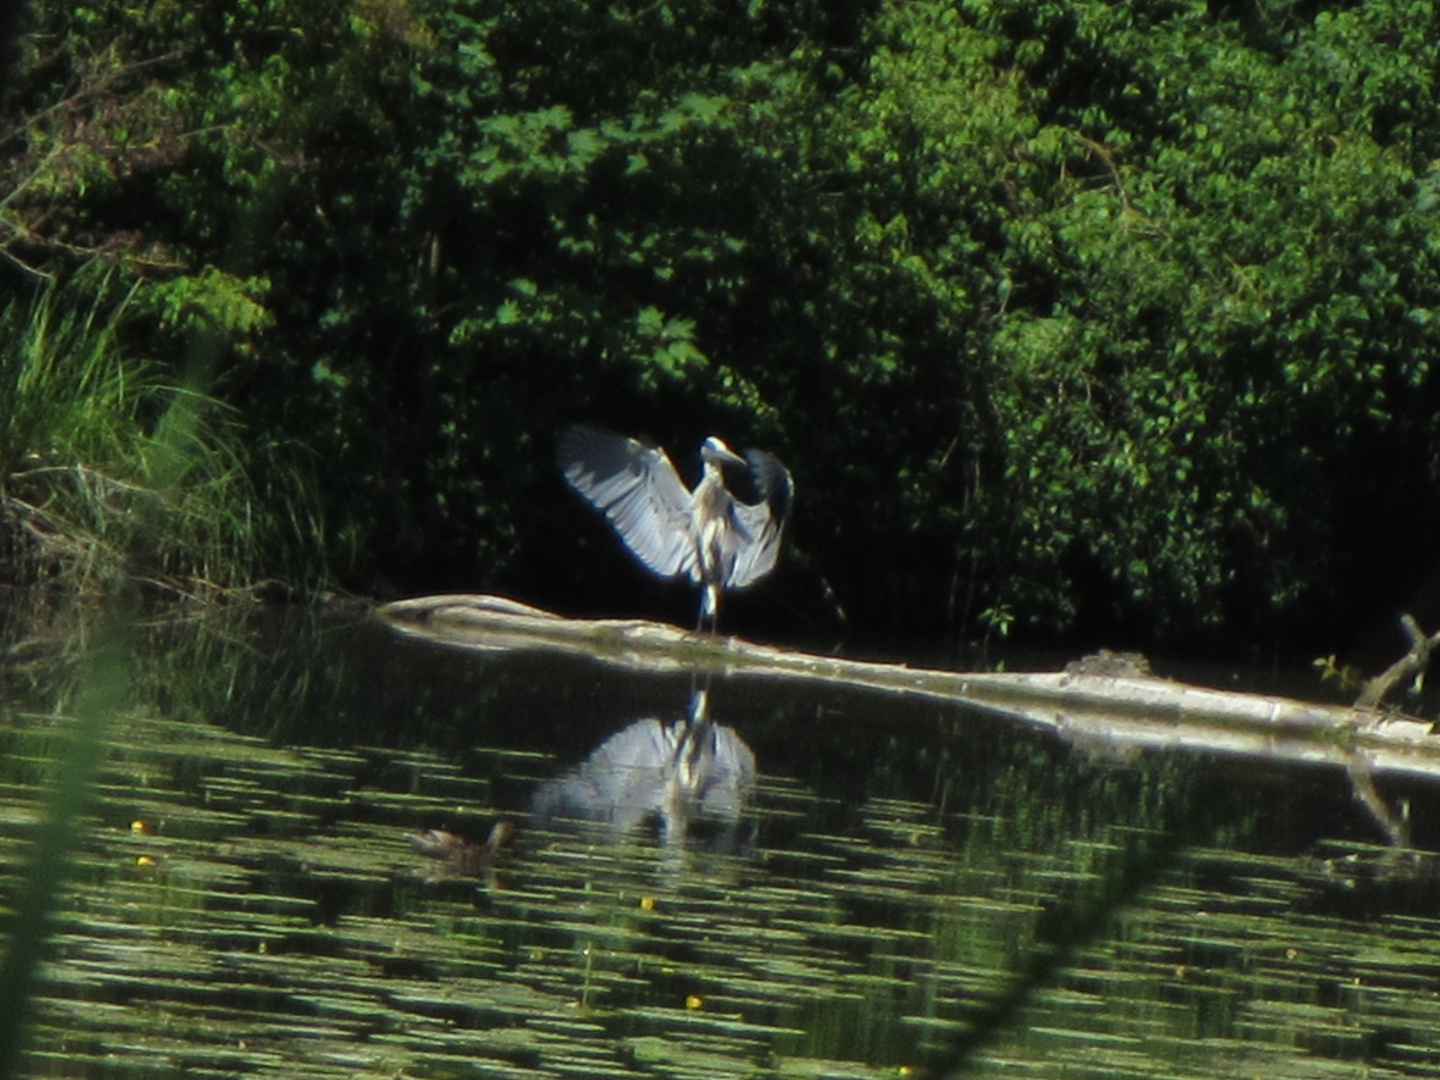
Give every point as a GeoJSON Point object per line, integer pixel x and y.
{"type": "Point", "coordinates": [211, 302]}
{"type": "Point", "coordinates": [1108, 316]}
{"type": "Point", "coordinates": [1213, 263]}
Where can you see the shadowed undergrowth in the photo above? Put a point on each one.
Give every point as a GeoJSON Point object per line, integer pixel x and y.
{"type": "Point", "coordinates": [112, 467]}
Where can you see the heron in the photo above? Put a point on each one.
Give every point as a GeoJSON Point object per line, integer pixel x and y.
{"type": "Point", "coordinates": [707, 534]}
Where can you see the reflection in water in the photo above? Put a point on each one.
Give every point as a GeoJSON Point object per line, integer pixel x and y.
{"type": "Point", "coordinates": [691, 773]}
{"type": "Point", "coordinates": [918, 865]}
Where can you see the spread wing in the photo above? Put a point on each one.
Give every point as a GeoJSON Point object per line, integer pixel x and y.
{"type": "Point", "coordinates": [637, 488]}
{"type": "Point", "coordinates": [761, 522]}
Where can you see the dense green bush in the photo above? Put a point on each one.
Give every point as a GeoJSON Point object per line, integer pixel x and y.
{"type": "Point", "coordinates": [1113, 319]}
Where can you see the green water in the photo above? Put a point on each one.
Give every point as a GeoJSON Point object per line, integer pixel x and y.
{"type": "Point", "coordinates": [911, 889]}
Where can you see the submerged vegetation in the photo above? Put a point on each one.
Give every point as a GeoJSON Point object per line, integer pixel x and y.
{"type": "Point", "coordinates": [929, 889]}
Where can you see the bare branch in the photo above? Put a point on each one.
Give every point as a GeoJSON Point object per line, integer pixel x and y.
{"type": "Point", "coordinates": [1405, 670]}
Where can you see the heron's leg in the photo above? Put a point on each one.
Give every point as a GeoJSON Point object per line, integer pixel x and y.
{"type": "Point", "coordinates": [709, 606]}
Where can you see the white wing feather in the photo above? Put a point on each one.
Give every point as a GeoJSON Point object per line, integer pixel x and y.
{"type": "Point", "coordinates": [637, 488]}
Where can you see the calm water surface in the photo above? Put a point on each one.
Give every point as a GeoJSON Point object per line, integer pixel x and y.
{"type": "Point", "coordinates": [867, 888]}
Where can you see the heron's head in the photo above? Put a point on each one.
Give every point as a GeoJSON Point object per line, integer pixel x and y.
{"type": "Point", "coordinates": [714, 450]}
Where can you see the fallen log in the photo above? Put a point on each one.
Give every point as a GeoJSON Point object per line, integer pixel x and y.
{"type": "Point", "coordinates": [1104, 707]}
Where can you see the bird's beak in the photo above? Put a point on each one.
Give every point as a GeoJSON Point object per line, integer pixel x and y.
{"type": "Point", "coordinates": [718, 452]}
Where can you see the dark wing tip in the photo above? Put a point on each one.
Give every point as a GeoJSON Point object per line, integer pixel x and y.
{"type": "Point", "coordinates": [579, 442]}
{"type": "Point", "coordinates": [591, 458]}
{"type": "Point", "coordinates": [762, 520]}
{"type": "Point", "coordinates": [773, 483]}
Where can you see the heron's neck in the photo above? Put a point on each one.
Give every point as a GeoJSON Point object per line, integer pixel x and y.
{"type": "Point", "coordinates": [709, 492]}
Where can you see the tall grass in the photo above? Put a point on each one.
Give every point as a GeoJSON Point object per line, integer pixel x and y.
{"type": "Point", "coordinates": [107, 468]}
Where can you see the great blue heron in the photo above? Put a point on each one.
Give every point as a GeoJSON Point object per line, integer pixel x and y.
{"type": "Point", "coordinates": [707, 534]}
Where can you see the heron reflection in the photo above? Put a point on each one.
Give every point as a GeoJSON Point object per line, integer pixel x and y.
{"type": "Point", "coordinates": [690, 775]}
{"type": "Point", "coordinates": [707, 534]}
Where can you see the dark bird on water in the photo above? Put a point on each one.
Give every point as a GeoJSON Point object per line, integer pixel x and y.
{"type": "Point", "coordinates": [706, 534]}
